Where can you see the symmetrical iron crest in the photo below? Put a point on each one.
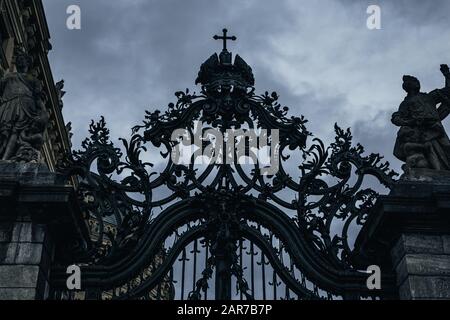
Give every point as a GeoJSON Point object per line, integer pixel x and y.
{"type": "Point", "coordinates": [289, 221]}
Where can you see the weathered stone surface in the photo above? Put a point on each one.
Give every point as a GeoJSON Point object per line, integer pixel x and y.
{"type": "Point", "coordinates": [28, 232]}
{"type": "Point", "coordinates": [422, 267]}
{"type": "Point", "coordinates": [4, 247]}
{"type": "Point", "coordinates": [423, 264]}
{"type": "Point", "coordinates": [29, 173]}
{"type": "Point", "coordinates": [18, 276]}
{"type": "Point", "coordinates": [446, 243]}
{"type": "Point", "coordinates": [427, 175]}
{"type": "Point", "coordinates": [24, 253]}
{"type": "Point", "coordinates": [409, 231]}
{"type": "Point", "coordinates": [416, 243]}
{"type": "Point", "coordinates": [431, 287]}
{"type": "Point", "coordinates": [6, 230]}
{"type": "Point", "coordinates": [17, 294]}
{"type": "Point", "coordinates": [428, 264]}
{"type": "Point", "coordinates": [25, 263]}
{"type": "Point", "coordinates": [31, 200]}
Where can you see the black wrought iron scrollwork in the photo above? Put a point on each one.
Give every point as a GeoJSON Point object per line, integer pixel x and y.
{"type": "Point", "coordinates": [117, 219]}
{"type": "Point", "coordinates": [224, 204]}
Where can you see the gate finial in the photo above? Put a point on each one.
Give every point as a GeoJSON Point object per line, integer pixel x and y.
{"type": "Point", "coordinates": [224, 38]}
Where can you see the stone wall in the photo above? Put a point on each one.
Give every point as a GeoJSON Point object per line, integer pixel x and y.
{"type": "Point", "coordinates": [422, 264]}
{"type": "Point", "coordinates": [37, 209]}
{"type": "Point", "coordinates": [25, 260]}
{"type": "Point", "coordinates": [408, 233]}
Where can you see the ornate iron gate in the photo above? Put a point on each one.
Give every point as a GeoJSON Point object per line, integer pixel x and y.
{"type": "Point", "coordinates": [221, 231]}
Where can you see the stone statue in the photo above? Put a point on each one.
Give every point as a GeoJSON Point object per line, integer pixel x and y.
{"type": "Point", "coordinates": [422, 142]}
{"type": "Point", "coordinates": [23, 117]}
{"type": "Point", "coordinates": [59, 86]}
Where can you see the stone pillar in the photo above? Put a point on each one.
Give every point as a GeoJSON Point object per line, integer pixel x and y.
{"type": "Point", "coordinates": [38, 210]}
{"type": "Point", "coordinates": [25, 259]}
{"type": "Point", "coordinates": [408, 235]}
{"type": "Point", "coordinates": [422, 266]}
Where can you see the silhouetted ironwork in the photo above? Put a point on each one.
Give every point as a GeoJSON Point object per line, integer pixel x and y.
{"type": "Point", "coordinates": [224, 38]}
{"type": "Point", "coordinates": [229, 223]}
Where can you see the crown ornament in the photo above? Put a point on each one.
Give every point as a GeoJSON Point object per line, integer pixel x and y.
{"type": "Point", "coordinates": [219, 73]}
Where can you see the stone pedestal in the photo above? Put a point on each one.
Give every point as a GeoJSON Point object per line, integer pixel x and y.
{"type": "Point", "coordinates": [26, 253]}
{"type": "Point", "coordinates": [408, 235]}
{"type": "Point", "coordinates": [37, 211]}
{"type": "Point", "coordinates": [422, 265]}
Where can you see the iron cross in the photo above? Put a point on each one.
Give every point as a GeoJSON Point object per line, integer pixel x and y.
{"type": "Point", "coordinates": [224, 38]}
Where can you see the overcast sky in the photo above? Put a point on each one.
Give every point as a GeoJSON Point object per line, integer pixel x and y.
{"type": "Point", "coordinates": [132, 55]}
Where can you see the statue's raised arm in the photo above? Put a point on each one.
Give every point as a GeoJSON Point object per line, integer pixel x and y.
{"type": "Point", "coordinates": [446, 72]}
{"type": "Point", "coordinates": [442, 96]}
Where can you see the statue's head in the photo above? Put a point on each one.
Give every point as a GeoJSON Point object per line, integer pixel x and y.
{"type": "Point", "coordinates": [411, 84]}
{"type": "Point", "coordinates": [23, 62]}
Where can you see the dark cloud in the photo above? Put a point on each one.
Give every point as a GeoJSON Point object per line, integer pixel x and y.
{"type": "Point", "coordinates": [319, 56]}
{"type": "Point", "coordinates": [132, 55]}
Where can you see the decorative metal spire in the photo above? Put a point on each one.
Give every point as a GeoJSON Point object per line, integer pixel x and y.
{"type": "Point", "coordinates": [224, 38]}
{"type": "Point", "coordinates": [219, 72]}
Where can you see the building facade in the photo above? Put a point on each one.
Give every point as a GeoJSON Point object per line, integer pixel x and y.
{"type": "Point", "coordinates": [24, 27]}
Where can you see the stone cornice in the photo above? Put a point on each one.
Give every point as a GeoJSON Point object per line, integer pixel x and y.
{"type": "Point", "coordinates": [32, 192]}
{"type": "Point", "coordinates": [411, 208]}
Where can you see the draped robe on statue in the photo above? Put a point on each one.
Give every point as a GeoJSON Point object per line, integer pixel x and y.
{"type": "Point", "coordinates": [21, 116]}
